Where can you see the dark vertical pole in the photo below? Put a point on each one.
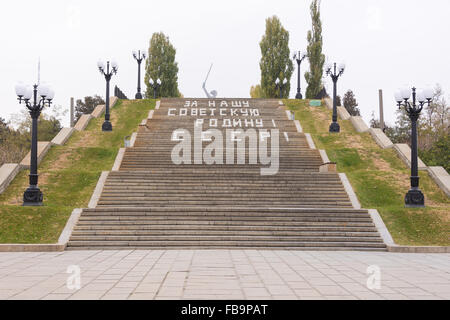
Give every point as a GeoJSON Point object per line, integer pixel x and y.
{"type": "Point", "coordinates": [334, 126]}
{"type": "Point", "coordinates": [414, 197]}
{"type": "Point", "coordinates": [33, 196]}
{"type": "Point", "coordinates": [107, 124]}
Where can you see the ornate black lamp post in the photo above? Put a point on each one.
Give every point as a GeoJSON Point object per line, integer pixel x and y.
{"type": "Point", "coordinates": [414, 197]}
{"type": "Point", "coordinates": [155, 86]}
{"type": "Point", "coordinates": [139, 56]}
{"type": "Point", "coordinates": [108, 74]}
{"type": "Point", "coordinates": [35, 100]}
{"type": "Point", "coordinates": [280, 85]}
{"type": "Point", "coordinates": [299, 58]}
{"type": "Point", "coordinates": [335, 74]}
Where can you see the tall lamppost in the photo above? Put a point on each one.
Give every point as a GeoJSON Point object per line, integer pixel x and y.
{"type": "Point", "coordinates": [299, 58]}
{"type": "Point", "coordinates": [139, 56]}
{"type": "Point", "coordinates": [155, 86]}
{"type": "Point", "coordinates": [414, 197]}
{"type": "Point", "coordinates": [107, 72]}
{"type": "Point", "coordinates": [35, 100]}
{"type": "Point", "coordinates": [335, 73]}
{"type": "Point", "coordinates": [280, 85]}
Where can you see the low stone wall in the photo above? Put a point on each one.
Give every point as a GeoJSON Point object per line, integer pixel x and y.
{"type": "Point", "coordinates": [310, 141]}
{"type": "Point", "coordinates": [404, 153]}
{"type": "Point", "coordinates": [83, 122]}
{"type": "Point", "coordinates": [62, 137]}
{"type": "Point", "coordinates": [380, 138]}
{"type": "Point", "coordinates": [359, 124]}
{"type": "Point", "coordinates": [8, 172]}
{"type": "Point", "coordinates": [441, 177]}
{"type": "Point", "coordinates": [43, 148]}
{"type": "Point", "coordinates": [343, 113]}
{"type": "Point", "coordinates": [98, 110]}
{"type": "Point", "coordinates": [298, 126]}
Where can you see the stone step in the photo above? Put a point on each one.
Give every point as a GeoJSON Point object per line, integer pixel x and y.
{"type": "Point", "coordinates": [222, 243]}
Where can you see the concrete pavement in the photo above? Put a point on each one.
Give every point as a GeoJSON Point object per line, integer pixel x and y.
{"type": "Point", "coordinates": [223, 274]}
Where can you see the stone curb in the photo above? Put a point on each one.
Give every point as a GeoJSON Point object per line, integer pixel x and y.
{"type": "Point", "coordinates": [381, 227]}
{"type": "Point", "coordinates": [158, 103]}
{"type": "Point", "coordinates": [150, 114]}
{"type": "Point", "coordinates": [133, 139]}
{"type": "Point", "coordinates": [98, 189]}
{"type": "Point", "coordinates": [324, 156]}
{"type": "Point", "coordinates": [298, 126]}
{"type": "Point", "coordinates": [310, 141]}
{"type": "Point", "coordinates": [118, 160]}
{"type": "Point", "coordinates": [71, 223]}
{"type": "Point", "coordinates": [348, 188]}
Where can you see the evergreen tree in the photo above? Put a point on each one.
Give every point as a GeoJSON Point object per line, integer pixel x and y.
{"type": "Point", "coordinates": [255, 91]}
{"type": "Point", "coordinates": [275, 59]}
{"type": "Point", "coordinates": [350, 103]}
{"type": "Point", "coordinates": [161, 64]}
{"type": "Point", "coordinates": [316, 58]}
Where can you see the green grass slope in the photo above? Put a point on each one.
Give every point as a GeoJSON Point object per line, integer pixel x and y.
{"type": "Point", "coordinates": [67, 177]}
{"type": "Point", "coordinates": [380, 179]}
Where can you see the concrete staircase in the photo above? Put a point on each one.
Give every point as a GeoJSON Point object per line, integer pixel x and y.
{"type": "Point", "coordinates": [153, 203]}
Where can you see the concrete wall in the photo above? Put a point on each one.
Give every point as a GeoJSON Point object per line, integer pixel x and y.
{"type": "Point", "coordinates": [359, 124]}
{"type": "Point", "coordinates": [98, 110]}
{"type": "Point", "coordinates": [43, 148]}
{"type": "Point", "coordinates": [404, 153]}
{"type": "Point", "coordinates": [62, 136]}
{"type": "Point", "coordinates": [380, 138]}
{"type": "Point", "coordinates": [8, 172]}
{"type": "Point", "coordinates": [441, 177]}
{"type": "Point", "coordinates": [343, 113]}
{"type": "Point", "coordinates": [83, 122]}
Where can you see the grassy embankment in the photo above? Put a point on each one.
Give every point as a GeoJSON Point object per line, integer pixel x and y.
{"type": "Point", "coordinates": [379, 178]}
{"type": "Point", "coordinates": [67, 177]}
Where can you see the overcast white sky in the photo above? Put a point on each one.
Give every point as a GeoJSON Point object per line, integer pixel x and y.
{"type": "Point", "coordinates": [385, 44]}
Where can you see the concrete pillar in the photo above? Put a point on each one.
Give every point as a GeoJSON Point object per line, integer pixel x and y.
{"type": "Point", "coordinates": [71, 112]}
{"type": "Point", "coordinates": [380, 97]}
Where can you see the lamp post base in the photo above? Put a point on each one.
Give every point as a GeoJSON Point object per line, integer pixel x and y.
{"type": "Point", "coordinates": [138, 96]}
{"type": "Point", "coordinates": [414, 199]}
{"type": "Point", "coordinates": [298, 96]}
{"type": "Point", "coordinates": [106, 126]}
{"type": "Point", "coordinates": [334, 127]}
{"type": "Point", "coordinates": [32, 197]}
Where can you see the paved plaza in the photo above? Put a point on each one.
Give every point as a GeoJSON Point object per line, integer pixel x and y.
{"type": "Point", "coordinates": [223, 274]}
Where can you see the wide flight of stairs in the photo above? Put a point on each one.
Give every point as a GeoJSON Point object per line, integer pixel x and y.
{"type": "Point", "coordinates": [153, 203]}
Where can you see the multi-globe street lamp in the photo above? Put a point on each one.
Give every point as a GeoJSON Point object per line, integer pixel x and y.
{"type": "Point", "coordinates": [107, 72]}
{"type": "Point", "coordinates": [35, 99]}
{"type": "Point", "coordinates": [299, 58]}
{"type": "Point", "coordinates": [335, 72]}
{"type": "Point", "coordinates": [139, 56]}
{"type": "Point", "coordinates": [414, 197]}
{"type": "Point", "coordinates": [280, 85]}
{"type": "Point", "coordinates": [155, 85]}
